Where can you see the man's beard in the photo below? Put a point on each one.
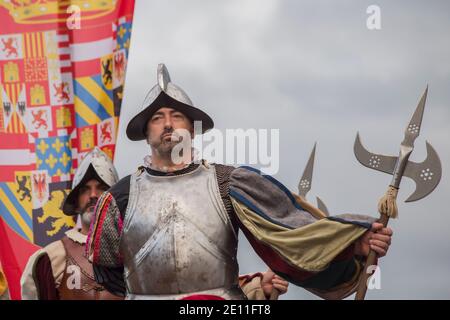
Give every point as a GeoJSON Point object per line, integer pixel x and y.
{"type": "Point", "coordinates": [86, 218]}
{"type": "Point", "coordinates": [165, 146]}
{"type": "Point", "coordinates": [87, 212]}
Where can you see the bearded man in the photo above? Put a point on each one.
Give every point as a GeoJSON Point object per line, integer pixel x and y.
{"type": "Point", "coordinates": [170, 230]}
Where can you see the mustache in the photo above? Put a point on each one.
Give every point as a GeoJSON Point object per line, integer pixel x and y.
{"type": "Point", "coordinates": [166, 131]}
{"type": "Point", "coordinates": [92, 202]}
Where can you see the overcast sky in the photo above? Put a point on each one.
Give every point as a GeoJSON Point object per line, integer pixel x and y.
{"type": "Point", "coordinates": [313, 70]}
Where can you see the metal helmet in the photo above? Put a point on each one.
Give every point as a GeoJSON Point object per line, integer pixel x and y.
{"type": "Point", "coordinates": [165, 94]}
{"type": "Point", "coordinates": [96, 164]}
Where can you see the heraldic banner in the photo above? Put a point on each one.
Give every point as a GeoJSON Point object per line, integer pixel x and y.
{"type": "Point", "coordinates": [62, 72]}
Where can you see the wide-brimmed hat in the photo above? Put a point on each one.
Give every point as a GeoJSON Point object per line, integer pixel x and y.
{"type": "Point", "coordinates": [165, 94]}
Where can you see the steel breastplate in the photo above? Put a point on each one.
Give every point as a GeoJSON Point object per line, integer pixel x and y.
{"type": "Point", "coordinates": [177, 236]}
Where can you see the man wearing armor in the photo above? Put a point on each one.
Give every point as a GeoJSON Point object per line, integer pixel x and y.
{"type": "Point", "coordinates": [61, 271]}
{"type": "Point", "coordinates": [170, 230]}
